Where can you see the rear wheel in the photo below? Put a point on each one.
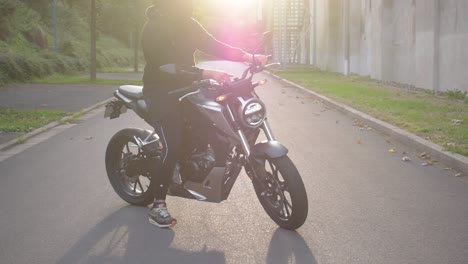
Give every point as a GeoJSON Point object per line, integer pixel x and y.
{"type": "Point", "coordinates": [132, 184]}
{"type": "Point", "coordinates": [282, 193]}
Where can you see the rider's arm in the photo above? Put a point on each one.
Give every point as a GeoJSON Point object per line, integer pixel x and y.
{"type": "Point", "coordinates": [207, 43]}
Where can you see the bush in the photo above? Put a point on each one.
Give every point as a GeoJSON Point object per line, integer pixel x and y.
{"type": "Point", "coordinates": [25, 54]}
{"type": "Point", "coordinates": [7, 10]}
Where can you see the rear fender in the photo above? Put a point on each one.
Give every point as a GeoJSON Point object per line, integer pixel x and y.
{"type": "Point", "coordinates": [138, 106]}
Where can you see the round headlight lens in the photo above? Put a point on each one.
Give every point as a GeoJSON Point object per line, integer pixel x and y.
{"type": "Point", "coordinates": [253, 113]}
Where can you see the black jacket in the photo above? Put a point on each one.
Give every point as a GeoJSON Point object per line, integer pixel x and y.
{"type": "Point", "coordinates": [166, 42]}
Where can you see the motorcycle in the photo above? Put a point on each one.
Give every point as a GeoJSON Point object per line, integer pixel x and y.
{"type": "Point", "coordinates": [222, 123]}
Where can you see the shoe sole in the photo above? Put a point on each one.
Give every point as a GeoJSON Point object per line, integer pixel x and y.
{"type": "Point", "coordinates": [160, 225]}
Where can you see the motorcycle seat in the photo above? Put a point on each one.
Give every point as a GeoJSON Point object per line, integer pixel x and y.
{"type": "Point", "coordinates": [133, 91]}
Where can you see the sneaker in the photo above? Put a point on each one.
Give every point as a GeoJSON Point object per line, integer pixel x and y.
{"type": "Point", "coordinates": [160, 217]}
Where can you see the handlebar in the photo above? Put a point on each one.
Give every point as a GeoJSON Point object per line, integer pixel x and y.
{"type": "Point", "coordinates": [197, 85]}
{"type": "Point", "coordinates": [208, 83]}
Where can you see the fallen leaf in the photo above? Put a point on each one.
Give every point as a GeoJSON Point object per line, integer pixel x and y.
{"type": "Point", "coordinates": [424, 155]}
{"type": "Point", "coordinates": [451, 144]}
{"type": "Point", "coordinates": [425, 164]}
{"type": "Point", "coordinates": [392, 150]}
{"type": "Point", "coordinates": [458, 175]}
{"type": "Point", "coordinates": [359, 123]}
{"type": "Point", "coordinates": [359, 142]}
{"type": "Point", "coordinates": [456, 122]}
{"type": "Point", "coordinates": [405, 159]}
{"type": "Point", "coordinates": [448, 169]}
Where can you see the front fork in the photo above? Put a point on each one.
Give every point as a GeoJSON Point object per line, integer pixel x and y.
{"type": "Point", "coordinates": [244, 142]}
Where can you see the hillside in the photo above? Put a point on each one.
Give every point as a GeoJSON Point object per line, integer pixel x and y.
{"type": "Point", "coordinates": [27, 36]}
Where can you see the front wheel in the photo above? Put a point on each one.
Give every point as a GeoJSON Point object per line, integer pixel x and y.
{"type": "Point", "coordinates": [281, 192]}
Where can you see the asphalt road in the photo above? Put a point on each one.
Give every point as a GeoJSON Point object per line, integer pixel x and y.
{"type": "Point", "coordinates": [69, 98]}
{"type": "Point", "coordinates": [366, 205]}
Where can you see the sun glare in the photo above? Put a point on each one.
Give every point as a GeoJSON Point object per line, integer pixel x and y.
{"type": "Point", "coordinates": [234, 4]}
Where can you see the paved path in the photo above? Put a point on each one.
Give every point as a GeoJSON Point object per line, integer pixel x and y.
{"type": "Point", "coordinates": [365, 204]}
{"type": "Point", "coordinates": [69, 97]}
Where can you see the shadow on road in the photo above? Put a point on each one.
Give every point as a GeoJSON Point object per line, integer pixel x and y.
{"type": "Point", "coordinates": [287, 245]}
{"type": "Point", "coordinates": [125, 237]}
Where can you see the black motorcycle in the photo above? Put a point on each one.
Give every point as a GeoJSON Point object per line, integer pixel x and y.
{"type": "Point", "coordinates": [222, 123]}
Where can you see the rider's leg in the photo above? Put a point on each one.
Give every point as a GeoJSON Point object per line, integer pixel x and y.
{"type": "Point", "coordinates": [169, 129]}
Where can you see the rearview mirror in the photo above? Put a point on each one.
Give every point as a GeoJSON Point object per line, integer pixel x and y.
{"type": "Point", "coordinates": [266, 39]}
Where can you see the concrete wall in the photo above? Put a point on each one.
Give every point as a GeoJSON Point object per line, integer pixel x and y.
{"type": "Point", "coordinates": [423, 43]}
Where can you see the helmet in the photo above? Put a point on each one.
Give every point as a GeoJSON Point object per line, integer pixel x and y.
{"type": "Point", "coordinates": [177, 9]}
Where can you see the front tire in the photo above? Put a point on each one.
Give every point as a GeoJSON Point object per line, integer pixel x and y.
{"type": "Point", "coordinates": [281, 192]}
{"type": "Point", "coordinates": [122, 149]}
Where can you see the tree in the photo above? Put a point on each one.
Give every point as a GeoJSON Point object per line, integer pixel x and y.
{"type": "Point", "coordinates": [7, 9]}
{"type": "Point", "coordinates": [93, 40]}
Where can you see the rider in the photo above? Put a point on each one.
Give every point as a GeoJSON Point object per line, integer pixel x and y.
{"type": "Point", "coordinates": [171, 36]}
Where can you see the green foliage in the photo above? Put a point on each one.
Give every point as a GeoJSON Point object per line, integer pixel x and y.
{"type": "Point", "coordinates": [26, 37]}
{"type": "Point", "coordinates": [456, 94]}
{"type": "Point", "coordinates": [12, 120]}
{"type": "Point", "coordinates": [7, 10]}
{"type": "Point", "coordinates": [25, 19]}
{"type": "Point", "coordinates": [436, 118]}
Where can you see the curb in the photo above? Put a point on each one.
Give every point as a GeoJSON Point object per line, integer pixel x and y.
{"type": "Point", "coordinates": [452, 160]}
{"type": "Point", "coordinates": [49, 126]}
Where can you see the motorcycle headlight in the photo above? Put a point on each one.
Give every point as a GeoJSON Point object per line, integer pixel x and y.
{"type": "Point", "coordinates": [252, 113]}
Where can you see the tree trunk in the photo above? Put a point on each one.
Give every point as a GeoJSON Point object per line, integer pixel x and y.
{"type": "Point", "coordinates": [93, 40]}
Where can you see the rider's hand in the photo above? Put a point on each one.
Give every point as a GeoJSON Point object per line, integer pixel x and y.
{"type": "Point", "coordinates": [219, 76]}
{"type": "Point", "coordinates": [262, 59]}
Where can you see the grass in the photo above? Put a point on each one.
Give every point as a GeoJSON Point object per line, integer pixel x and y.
{"type": "Point", "coordinates": [72, 119]}
{"type": "Point", "coordinates": [76, 79]}
{"type": "Point", "coordinates": [24, 121]}
{"type": "Point", "coordinates": [21, 139]}
{"type": "Point", "coordinates": [121, 70]}
{"type": "Point", "coordinates": [442, 119]}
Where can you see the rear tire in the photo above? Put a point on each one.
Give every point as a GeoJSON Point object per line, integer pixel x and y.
{"type": "Point", "coordinates": [134, 189]}
{"type": "Point", "coordinates": [282, 194]}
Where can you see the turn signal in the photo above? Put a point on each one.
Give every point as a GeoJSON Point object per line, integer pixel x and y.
{"type": "Point", "coordinates": [261, 82]}
{"type": "Point", "coordinates": [221, 98]}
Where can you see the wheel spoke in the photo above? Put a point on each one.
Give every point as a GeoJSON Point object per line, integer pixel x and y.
{"type": "Point", "coordinates": [283, 186]}
{"type": "Point", "coordinates": [134, 186]}
{"type": "Point", "coordinates": [139, 183]}
{"type": "Point", "coordinates": [287, 203]}
{"type": "Point", "coordinates": [286, 211]}
{"type": "Point", "coordinates": [273, 168]}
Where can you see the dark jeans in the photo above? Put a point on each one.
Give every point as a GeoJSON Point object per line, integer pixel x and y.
{"type": "Point", "coordinates": [165, 117]}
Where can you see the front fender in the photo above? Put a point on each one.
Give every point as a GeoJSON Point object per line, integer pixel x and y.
{"type": "Point", "coordinates": [269, 150]}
